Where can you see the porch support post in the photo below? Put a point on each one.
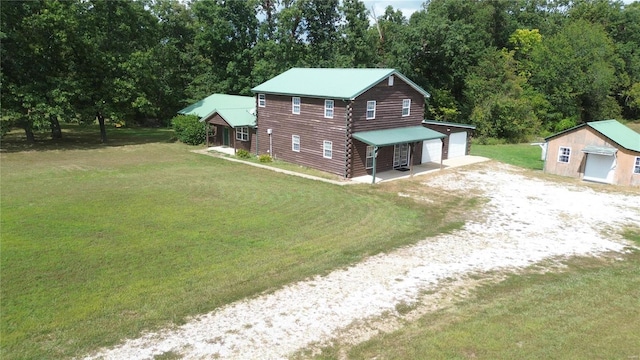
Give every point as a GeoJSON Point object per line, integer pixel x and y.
{"type": "Point", "coordinates": [411, 148]}
{"type": "Point", "coordinates": [441, 153]}
{"type": "Point", "coordinates": [375, 156]}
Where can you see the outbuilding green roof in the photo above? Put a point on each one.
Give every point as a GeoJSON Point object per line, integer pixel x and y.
{"type": "Point", "coordinates": [612, 129]}
{"type": "Point", "coordinates": [329, 83]}
{"type": "Point", "coordinates": [397, 136]}
{"type": "Point", "coordinates": [235, 110]}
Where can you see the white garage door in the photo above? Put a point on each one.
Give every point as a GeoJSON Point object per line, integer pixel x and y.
{"type": "Point", "coordinates": [457, 144]}
{"type": "Point", "coordinates": [431, 151]}
{"type": "Point", "coordinates": [599, 168]}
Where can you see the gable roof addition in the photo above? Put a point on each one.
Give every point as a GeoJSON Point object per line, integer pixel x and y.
{"type": "Point", "coordinates": [612, 129]}
{"type": "Point", "coordinates": [235, 110]}
{"type": "Point", "coordinates": [346, 83]}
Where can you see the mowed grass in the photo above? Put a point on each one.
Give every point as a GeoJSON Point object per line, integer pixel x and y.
{"type": "Point", "coordinates": [100, 243]}
{"type": "Point", "coordinates": [589, 310]}
{"type": "Point", "coordinates": [523, 155]}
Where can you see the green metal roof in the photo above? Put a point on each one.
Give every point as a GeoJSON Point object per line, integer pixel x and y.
{"type": "Point", "coordinates": [599, 150]}
{"type": "Point", "coordinates": [397, 136]}
{"type": "Point", "coordinates": [329, 83]}
{"type": "Point", "coordinates": [618, 132]}
{"type": "Point", "coordinates": [235, 110]}
{"type": "Point", "coordinates": [445, 123]}
{"type": "Point", "coordinates": [612, 129]}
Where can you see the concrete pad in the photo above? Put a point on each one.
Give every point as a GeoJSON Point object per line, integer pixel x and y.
{"type": "Point", "coordinates": [421, 169]}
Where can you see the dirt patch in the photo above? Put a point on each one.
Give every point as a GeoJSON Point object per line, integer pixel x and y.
{"type": "Point", "coordinates": [525, 221]}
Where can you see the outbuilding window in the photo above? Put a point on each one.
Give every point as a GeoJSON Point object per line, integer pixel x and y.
{"type": "Point", "coordinates": [564, 153]}
{"type": "Point", "coordinates": [242, 133]}
{"type": "Point", "coordinates": [328, 109]}
{"type": "Point", "coordinates": [295, 105]}
{"type": "Point", "coordinates": [636, 167]}
{"type": "Point", "coordinates": [370, 154]}
{"type": "Point", "coordinates": [327, 149]}
{"type": "Point", "coordinates": [406, 107]}
{"type": "Point", "coordinates": [262, 101]}
{"type": "Point", "coordinates": [371, 109]}
{"type": "Point", "coordinates": [295, 143]}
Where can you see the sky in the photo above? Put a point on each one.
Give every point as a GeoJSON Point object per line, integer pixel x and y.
{"type": "Point", "coordinates": [407, 7]}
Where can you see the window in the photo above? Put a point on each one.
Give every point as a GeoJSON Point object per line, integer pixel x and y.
{"type": "Point", "coordinates": [328, 109]}
{"type": "Point", "coordinates": [370, 153]}
{"type": "Point", "coordinates": [563, 154]}
{"type": "Point", "coordinates": [295, 105]}
{"type": "Point", "coordinates": [262, 101]}
{"type": "Point", "coordinates": [242, 133]}
{"type": "Point", "coordinates": [295, 143]}
{"type": "Point", "coordinates": [327, 149]}
{"type": "Point", "coordinates": [636, 167]}
{"type": "Point", "coordinates": [391, 80]}
{"type": "Point", "coordinates": [406, 107]}
{"type": "Point", "coordinates": [371, 109]}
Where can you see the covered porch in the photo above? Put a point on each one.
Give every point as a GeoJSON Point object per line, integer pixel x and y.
{"type": "Point", "coordinates": [405, 142]}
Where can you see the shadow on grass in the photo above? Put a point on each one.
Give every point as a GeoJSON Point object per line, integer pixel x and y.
{"type": "Point", "coordinates": [77, 137]}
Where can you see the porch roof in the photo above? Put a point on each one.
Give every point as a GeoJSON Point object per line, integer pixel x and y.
{"type": "Point", "coordinates": [389, 137]}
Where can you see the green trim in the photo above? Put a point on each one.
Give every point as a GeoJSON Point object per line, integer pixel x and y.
{"type": "Point", "coordinates": [600, 150]}
{"type": "Point", "coordinates": [445, 123]}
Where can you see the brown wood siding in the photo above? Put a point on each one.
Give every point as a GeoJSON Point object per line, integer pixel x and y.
{"type": "Point", "coordinates": [388, 107]}
{"type": "Point", "coordinates": [577, 140]}
{"type": "Point", "coordinates": [217, 127]}
{"type": "Point", "coordinates": [447, 130]}
{"type": "Point", "coordinates": [312, 127]}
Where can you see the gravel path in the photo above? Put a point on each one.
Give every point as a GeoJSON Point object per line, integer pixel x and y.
{"type": "Point", "coordinates": [524, 222]}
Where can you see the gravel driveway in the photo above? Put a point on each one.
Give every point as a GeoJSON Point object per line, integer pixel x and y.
{"type": "Point", "coordinates": [525, 221]}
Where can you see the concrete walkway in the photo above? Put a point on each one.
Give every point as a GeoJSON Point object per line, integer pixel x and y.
{"type": "Point", "coordinates": [384, 176]}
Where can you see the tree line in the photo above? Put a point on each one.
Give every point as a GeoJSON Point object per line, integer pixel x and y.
{"type": "Point", "coordinates": [513, 68]}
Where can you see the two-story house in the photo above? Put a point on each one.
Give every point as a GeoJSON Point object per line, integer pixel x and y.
{"type": "Point", "coordinates": [348, 122]}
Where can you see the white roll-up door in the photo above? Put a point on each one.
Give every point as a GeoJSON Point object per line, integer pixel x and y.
{"type": "Point", "coordinates": [431, 150]}
{"type": "Point", "coordinates": [457, 144]}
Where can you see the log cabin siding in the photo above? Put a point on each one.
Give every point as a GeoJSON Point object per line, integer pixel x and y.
{"type": "Point", "coordinates": [312, 127]}
{"type": "Point", "coordinates": [448, 130]}
{"type": "Point", "coordinates": [388, 107]}
{"type": "Point", "coordinates": [384, 161]}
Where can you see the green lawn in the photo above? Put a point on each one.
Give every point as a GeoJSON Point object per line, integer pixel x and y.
{"type": "Point", "coordinates": [523, 155]}
{"type": "Point", "coordinates": [100, 243]}
{"type": "Point", "coordinates": [590, 310]}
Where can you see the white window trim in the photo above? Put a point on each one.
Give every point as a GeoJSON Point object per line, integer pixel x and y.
{"type": "Point", "coordinates": [262, 100]}
{"type": "Point", "coordinates": [374, 110]}
{"type": "Point", "coordinates": [560, 154]}
{"type": "Point", "coordinates": [327, 108]}
{"type": "Point", "coordinates": [295, 106]}
{"type": "Point", "coordinates": [369, 154]}
{"type": "Point", "coordinates": [408, 107]}
{"type": "Point", "coordinates": [327, 146]}
{"type": "Point", "coordinates": [636, 166]}
{"type": "Point", "coordinates": [295, 140]}
{"type": "Point", "coordinates": [242, 133]}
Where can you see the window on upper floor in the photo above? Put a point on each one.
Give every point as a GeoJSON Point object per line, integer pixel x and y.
{"type": "Point", "coordinates": [406, 107]}
{"type": "Point", "coordinates": [295, 105]}
{"type": "Point", "coordinates": [242, 133]}
{"type": "Point", "coordinates": [371, 109]}
{"type": "Point", "coordinates": [327, 149]}
{"type": "Point", "coordinates": [636, 167]}
{"type": "Point", "coordinates": [328, 109]}
{"type": "Point", "coordinates": [564, 153]}
{"type": "Point", "coordinates": [262, 101]}
{"type": "Point", "coordinates": [390, 80]}
{"type": "Point", "coordinates": [295, 143]}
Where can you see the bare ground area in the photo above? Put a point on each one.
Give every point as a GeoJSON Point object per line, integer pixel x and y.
{"type": "Point", "coordinates": [526, 221]}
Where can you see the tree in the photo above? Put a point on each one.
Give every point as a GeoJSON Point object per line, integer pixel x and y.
{"type": "Point", "coordinates": [357, 48]}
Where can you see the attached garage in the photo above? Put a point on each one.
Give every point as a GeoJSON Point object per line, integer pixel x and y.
{"type": "Point", "coordinates": [457, 142]}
